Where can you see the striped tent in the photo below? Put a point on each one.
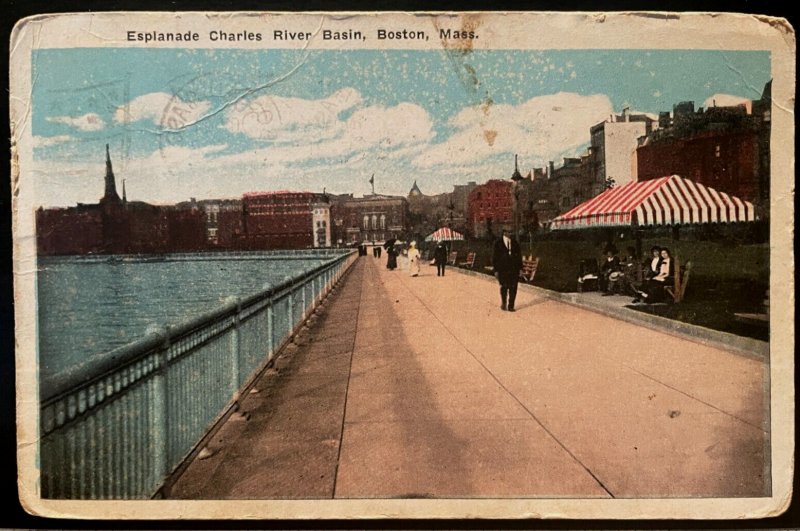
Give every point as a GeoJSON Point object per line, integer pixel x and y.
{"type": "Point", "coordinates": [670, 200]}
{"type": "Point", "coordinates": [444, 234]}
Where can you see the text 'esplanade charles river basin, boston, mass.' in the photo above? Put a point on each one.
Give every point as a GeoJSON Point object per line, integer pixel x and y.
{"type": "Point", "coordinates": [288, 35]}
{"type": "Point", "coordinates": [378, 259]}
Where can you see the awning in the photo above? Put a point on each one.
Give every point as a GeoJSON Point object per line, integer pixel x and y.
{"type": "Point", "coordinates": [669, 200]}
{"type": "Point", "coordinates": [444, 234]}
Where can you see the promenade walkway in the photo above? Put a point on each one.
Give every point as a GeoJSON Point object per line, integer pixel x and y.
{"type": "Point", "coordinates": [408, 387]}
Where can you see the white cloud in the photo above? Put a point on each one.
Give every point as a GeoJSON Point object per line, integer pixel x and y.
{"type": "Point", "coordinates": [88, 122]}
{"type": "Point", "coordinates": [728, 100]}
{"type": "Point", "coordinates": [378, 129]}
{"type": "Point", "coordinates": [46, 141]}
{"type": "Point", "coordinates": [162, 109]}
{"type": "Point", "coordinates": [286, 120]}
{"type": "Point", "coordinates": [538, 130]}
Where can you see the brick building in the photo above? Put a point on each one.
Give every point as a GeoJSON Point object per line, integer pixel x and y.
{"type": "Point", "coordinates": [115, 225]}
{"type": "Point", "coordinates": [725, 148]}
{"type": "Point", "coordinates": [489, 207]}
{"type": "Point", "coordinates": [283, 220]}
{"type": "Point", "coordinates": [501, 202]}
{"type": "Point", "coordinates": [223, 220]}
{"type": "Point", "coordinates": [75, 230]}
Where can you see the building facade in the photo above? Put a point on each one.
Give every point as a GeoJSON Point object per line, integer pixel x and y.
{"type": "Point", "coordinates": [372, 218]}
{"type": "Point", "coordinates": [115, 225]}
{"type": "Point", "coordinates": [282, 220]}
{"type": "Point", "coordinates": [725, 148]}
{"type": "Point", "coordinates": [222, 228]}
{"type": "Point", "coordinates": [321, 220]}
{"type": "Point", "coordinates": [613, 146]}
{"type": "Point", "coordinates": [489, 207]}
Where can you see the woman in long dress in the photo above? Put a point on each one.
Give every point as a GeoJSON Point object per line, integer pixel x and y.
{"type": "Point", "coordinates": [413, 259]}
{"type": "Point", "coordinates": [391, 258]}
{"type": "Point", "coordinates": [653, 290]}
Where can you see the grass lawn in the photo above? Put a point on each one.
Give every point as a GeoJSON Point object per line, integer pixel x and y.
{"type": "Point", "coordinates": [725, 279]}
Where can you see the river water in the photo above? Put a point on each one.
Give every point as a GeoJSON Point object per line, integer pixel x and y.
{"type": "Point", "coordinates": [90, 307]}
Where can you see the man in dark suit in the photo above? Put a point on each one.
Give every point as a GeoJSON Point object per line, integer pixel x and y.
{"type": "Point", "coordinates": [507, 262]}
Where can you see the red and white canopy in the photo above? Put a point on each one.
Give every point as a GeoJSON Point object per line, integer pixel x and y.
{"type": "Point", "coordinates": [444, 234]}
{"type": "Point", "coordinates": [670, 200]}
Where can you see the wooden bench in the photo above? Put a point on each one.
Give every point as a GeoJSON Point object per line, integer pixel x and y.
{"type": "Point", "coordinates": [452, 257]}
{"type": "Point", "coordinates": [588, 275]}
{"type": "Point", "coordinates": [470, 261]}
{"type": "Point", "coordinates": [529, 267]}
{"type": "Point", "coordinates": [682, 274]}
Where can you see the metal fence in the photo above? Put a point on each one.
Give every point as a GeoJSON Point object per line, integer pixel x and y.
{"type": "Point", "coordinates": [115, 428]}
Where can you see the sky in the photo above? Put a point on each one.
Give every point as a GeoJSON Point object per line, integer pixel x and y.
{"type": "Point", "coordinates": [218, 123]}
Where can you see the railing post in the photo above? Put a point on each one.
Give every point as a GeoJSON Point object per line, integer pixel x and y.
{"type": "Point", "coordinates": [159, 422]}
{"type": "Point", "coordinates": [271, 329]}
{"type": "Point", "coordinates": [304, 286]}
{"type": "Point", "coordinates": [291, 310]}
{"type": "Point", "coordinates": [236, 351]}
{"type": "Point", "coordinates": [314, 294]}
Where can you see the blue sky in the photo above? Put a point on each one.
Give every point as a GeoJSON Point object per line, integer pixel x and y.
{"type": "Point", "coordinates": [218, 123]}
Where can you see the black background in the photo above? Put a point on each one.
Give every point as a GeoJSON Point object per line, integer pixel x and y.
{"type": "Point", "coordinates": [11, 513]}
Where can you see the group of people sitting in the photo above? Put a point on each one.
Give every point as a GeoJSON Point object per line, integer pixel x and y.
{"type": "Point", "coordinates": [630, 276]}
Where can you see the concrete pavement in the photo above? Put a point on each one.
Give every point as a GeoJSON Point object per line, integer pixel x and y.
{"type": "Point", "coordinates": [422, 387]}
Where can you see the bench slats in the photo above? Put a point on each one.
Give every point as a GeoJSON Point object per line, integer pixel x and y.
{"type": "Point", "coordinates": [529, 268]}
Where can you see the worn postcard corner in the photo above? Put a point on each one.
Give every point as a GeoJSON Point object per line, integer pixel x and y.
{"type": "Point", "coordinates": [404, 265]}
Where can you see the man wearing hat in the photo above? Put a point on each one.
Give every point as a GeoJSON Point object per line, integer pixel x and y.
{"type": "Point", "coordinates": [507, 262]}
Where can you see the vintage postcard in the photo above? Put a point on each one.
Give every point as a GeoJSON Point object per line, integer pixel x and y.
{"type": "Point", "coordinates": [404, 265]}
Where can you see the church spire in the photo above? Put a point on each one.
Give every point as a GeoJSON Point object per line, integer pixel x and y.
{"type": "Point", "coordinates": [516, 176]}
{"type": "Point", "coordinates": [111, 186]}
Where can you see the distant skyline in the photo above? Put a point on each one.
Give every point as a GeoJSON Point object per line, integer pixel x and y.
{"type": "Point", "coordinates": [219, 123]}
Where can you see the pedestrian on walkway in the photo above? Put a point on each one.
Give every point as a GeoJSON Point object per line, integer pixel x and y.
{"type": "Point", "coordinates": [440, 258]}
{"type": "Point", "coordinates": [413, 259]}
{"type": "Point", "coordinates": [391, 258]}
{"type": "Point", "coordinates": [507, 262]}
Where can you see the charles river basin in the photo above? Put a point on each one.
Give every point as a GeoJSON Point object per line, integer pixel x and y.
{"type": "Point", "coordinates": [88, 307]}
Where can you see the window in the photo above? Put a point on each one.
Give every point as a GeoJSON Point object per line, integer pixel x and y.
{"type": "Point", "coordinates": [366, 222]}
{"type": "Point", "coordinates": [383, 221]}
{"type": "Point", "coordinates": [716, 151]}
{"type": "Point", "coordinates": [374, 221]}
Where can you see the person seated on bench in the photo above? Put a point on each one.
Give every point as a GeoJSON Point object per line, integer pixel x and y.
{"type": "Point", "coordinates": [652, 264]}
{"type": "Point", "coordinates": [630, 273]}
{"type": "Point", "coordinates": [609, 272]}
{"type": "Point", "coordinates": [653, 289]}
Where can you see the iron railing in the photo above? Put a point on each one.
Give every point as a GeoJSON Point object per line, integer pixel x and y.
{"type": "Point", "coordinates": [116, 427]}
